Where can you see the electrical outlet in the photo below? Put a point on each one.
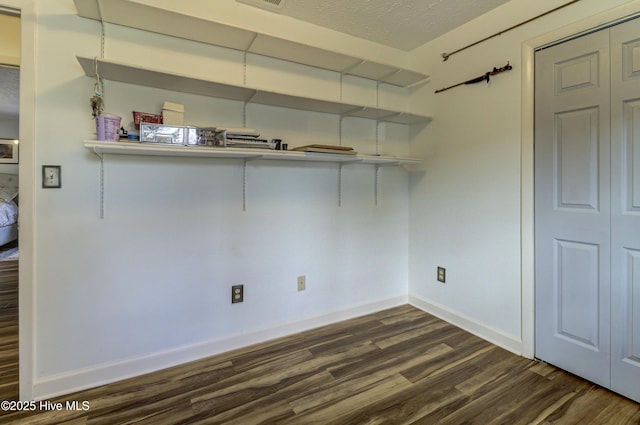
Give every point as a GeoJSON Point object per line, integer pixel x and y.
{"type": "Point", "coordinates": [442, 274]}
{"type": "Point", "coordinates": [302, 283]}
{"type": "Point", "coordinates": [237, 294]}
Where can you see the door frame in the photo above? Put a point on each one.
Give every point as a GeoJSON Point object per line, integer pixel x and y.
{"type": "Point", "coordinates": [27, 190]}
{"type": "Point", "coordinates": [527, 247]}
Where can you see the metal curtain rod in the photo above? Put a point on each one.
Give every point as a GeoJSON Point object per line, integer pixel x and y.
{"type": "Point", "coordinates": [446, 56]}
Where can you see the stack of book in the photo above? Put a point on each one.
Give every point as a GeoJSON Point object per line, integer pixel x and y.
{"type": "Point", "coordinates": [246, 138]}
{"type": "Point", "coordinates": [343, 150]}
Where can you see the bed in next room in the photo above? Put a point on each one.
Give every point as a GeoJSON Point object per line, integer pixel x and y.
{"type": "Point", "coordinates": [8, 214]}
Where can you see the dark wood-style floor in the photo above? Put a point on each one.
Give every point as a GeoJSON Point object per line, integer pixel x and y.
{"type": "Point", "coordinates": [8, 331]}
{"type": "Point", "coordinates": [399, 366]}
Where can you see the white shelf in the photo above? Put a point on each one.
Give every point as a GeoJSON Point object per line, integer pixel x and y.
{"type": "Point", "coordinates": [138, 75]}
{"type": "Point", "coordinates": [148, 149]}
{"type": "Point", "coordinates": [154, 19]}
{"type": "Point", "coordinates": [245, 154]}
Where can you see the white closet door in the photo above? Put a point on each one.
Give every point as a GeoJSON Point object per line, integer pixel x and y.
{"type": "Point", "coordinates": [625, 209]}
{"type": "Point", "coordinates": [572, 210]}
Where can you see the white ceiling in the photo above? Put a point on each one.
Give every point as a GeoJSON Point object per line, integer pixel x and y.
{"type": "Point", "coordinates": [403, 24]}
{"type": "Point", "coordinates": [9, 89]}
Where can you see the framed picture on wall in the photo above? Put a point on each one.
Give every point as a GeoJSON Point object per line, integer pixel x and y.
{"type": "Point", "coordinates": [8, 151]}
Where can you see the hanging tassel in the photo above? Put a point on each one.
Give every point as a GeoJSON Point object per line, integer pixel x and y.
{"type": "Point", "coordinates": [97, 101]}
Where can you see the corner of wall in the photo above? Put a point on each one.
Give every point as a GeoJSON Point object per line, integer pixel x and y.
{"type": "Point", "coordinates": [487, 333]}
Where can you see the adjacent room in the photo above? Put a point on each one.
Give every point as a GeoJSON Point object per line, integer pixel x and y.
{"type": "Point", "coordinates": [9, 163]}
{"type": "Point", "coordinates": [212, 189]}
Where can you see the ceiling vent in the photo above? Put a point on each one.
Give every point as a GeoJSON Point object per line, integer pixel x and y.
{"type": "Point", "coordinates": [270, 5]}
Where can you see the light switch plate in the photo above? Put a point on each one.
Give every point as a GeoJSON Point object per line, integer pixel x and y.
{"type": "Point", "coordinates": [51, 176]}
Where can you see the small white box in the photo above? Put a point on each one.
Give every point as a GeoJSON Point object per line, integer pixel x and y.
{"type": "Point", "coordinates": [172, 113]}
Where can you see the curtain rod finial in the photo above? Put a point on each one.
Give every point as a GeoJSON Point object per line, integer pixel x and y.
{"type": "Point", "coordinates": [445, 56]}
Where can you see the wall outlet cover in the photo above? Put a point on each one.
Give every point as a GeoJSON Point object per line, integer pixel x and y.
{"type": "Point", "coordinates": [237, 294]}
{"type": "Point", "coordinates": [302, 283]}
{"type": "Point", "coordinates": [442, 274]}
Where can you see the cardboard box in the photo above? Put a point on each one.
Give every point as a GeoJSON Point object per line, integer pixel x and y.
{"type": "Point", "coordinates": [139, 117]}
{"type": "Point", "coordinates": [172, 113]}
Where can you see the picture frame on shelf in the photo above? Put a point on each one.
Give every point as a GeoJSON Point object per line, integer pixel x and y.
{"type": "Point", "coordinates": [8, 151]}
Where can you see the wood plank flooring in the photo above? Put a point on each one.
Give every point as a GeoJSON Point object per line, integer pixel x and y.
{"type": "Point", "coordinates": [398, 366]}
{"type": "Point", "coordinates": [8, 330]}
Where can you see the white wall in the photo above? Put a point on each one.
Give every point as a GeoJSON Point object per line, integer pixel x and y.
{"type": "Point", "coordinates": [9, 128]}
{"type": "Point", "coordinates": [149, 285]}
{"type": "Point", "coordinates": [9, 40]}
{"type": "Point", "coordinates": [465, 212]}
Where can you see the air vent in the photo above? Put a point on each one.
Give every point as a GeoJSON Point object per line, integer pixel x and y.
{"type": "Point", "coordinates": [270, 5]}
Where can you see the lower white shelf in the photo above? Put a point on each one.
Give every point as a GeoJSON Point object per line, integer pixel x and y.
{"type": "Point", "coordinates": [128, 148]}
{"type": "Point", "coordinates": [246, 154]}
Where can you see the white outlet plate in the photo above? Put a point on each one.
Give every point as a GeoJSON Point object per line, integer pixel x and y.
{"type": "Point", "coordinates": [302, 283]}
{"type": "Point", "coordinates": [237, 294]}
{"type": "Point", "coordinates": [442, 274]}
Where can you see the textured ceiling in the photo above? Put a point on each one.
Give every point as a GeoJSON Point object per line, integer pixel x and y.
{"type": "Point", "coordinates": [403, 24]}
{"type": "Point", "coordinates": [9, 89]}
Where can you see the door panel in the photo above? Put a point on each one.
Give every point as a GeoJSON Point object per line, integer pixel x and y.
{"type": "Point", "coordinates": [577, 158]}
{"type": "Point", "coordinates": [631, 154]}
{"type": "Point", "coordinates": [631, 291]}
{"type": "Point", "coordinates": [625, 208]}
{"type": "Point", "coordinates": [576, 73]}
{"type": "Point", "coordinates": [576, 293]}
{"type": "Point", "coordinates": [572, 210]}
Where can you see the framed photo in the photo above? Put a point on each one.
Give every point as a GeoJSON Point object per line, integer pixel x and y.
{"type": "Point", "coordinates": [8, 151]}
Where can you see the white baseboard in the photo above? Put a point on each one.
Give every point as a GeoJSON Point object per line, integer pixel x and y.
{"type": "Point", "coordinates": [54, 386]}
{"type": "Point", "coordinates": [485, 332]}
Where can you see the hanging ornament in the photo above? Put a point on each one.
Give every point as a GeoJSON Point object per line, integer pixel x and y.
{"type": "Point", "coordinates": [97, 101]}
{"type": "Point", "coordinates": [486, 77]}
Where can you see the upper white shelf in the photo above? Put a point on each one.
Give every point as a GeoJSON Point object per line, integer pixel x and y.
{"type": "Point", "coordinates": [134, 74]}
{"type": "Point", "coordinates": [154, 19]}
{"type": "Point", "coordinates": [148, 149]}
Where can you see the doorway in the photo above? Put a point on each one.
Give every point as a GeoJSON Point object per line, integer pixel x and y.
{"type": "Point", "coordinates": [9, 167]}
{"type": "Point", "coordinates": [587, 207]}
